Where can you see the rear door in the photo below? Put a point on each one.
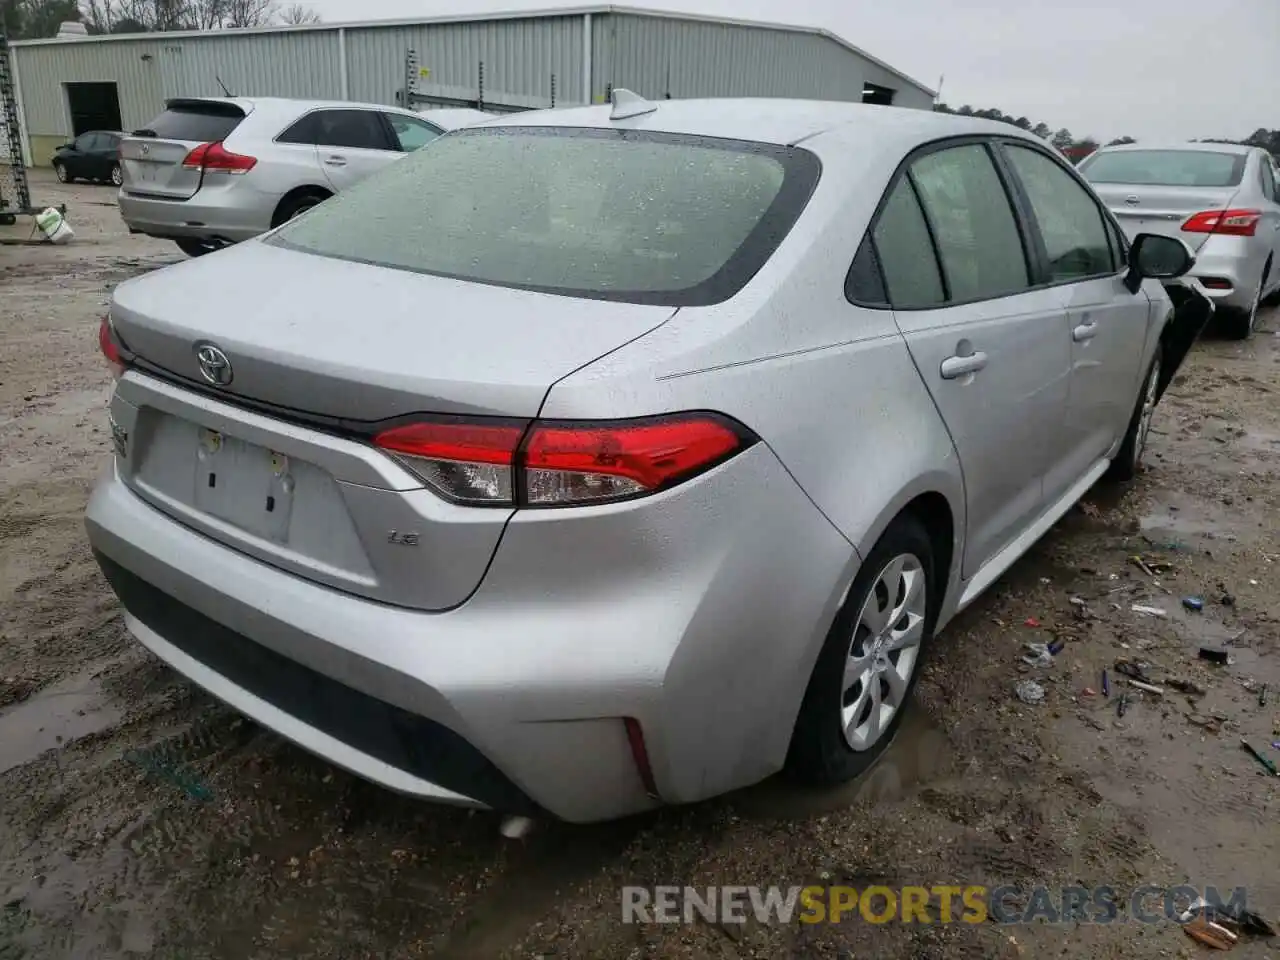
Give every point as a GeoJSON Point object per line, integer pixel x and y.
{"type": "Point", "coordinates": [1157, 191]}
{"type": "Point", "coordinates": [79, 159]}
{"type": "Point", "coordinates": [151, 157]}
{"type": "Point", "coordinates": [1270, 224]}
{"type": "Point", "coordinates": [1106, 325]}
{"type": "Point", "coordinates": [353, 144]}
{"type": "Point", "coordinates": [990, 349]}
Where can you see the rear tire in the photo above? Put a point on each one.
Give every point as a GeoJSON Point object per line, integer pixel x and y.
{"type": "Point", "coordinates": [1239, 324]}
{"type": "Point", "coordinates": [872, 658]}
{"type": "Point", "coordinates": [117, 178]}
{"type": "Point", "coordinates": [195, 248]}
{"type": "Point", "coordinates": [297, 205]}
{"type": "Point", "coordinates": [60, 171]}
{"type": "Point", "coordinates": [1128, 458]}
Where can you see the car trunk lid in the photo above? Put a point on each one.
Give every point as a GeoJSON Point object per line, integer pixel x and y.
{"type": "Point", "coordinates": [1163, 209]}
{"type": "Point", "coordinates": [151, 158]}
{"type": "Point", "coordinates": [277, 462]}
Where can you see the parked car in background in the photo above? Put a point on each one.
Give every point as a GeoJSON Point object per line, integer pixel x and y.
{"type": "Point", "coordinates": [91, 156]}
{"type": "Point", "coordinates": [453, 118]}
{"type": "Point", "coordinates": [600, 458]}
{"type": "Point", "coordinates": [1222, 199]}
{"type": "Point", "coordinates": [208, 172]}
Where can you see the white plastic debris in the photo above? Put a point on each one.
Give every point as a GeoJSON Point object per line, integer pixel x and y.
{"type": "Point", "coordinates": [53, 225]}
{"type": "Point", "coordinates": [1149, 611]}
{"type": "Point", "coordinates": [1029, 691]}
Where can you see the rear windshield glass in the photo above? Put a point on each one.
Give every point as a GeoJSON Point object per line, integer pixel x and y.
{"type": "Point", "coordinates": [598, 213]}
{"type": "Point", "coordinates": [199, 122]}
{"type": "Point", "coordinates": [1166, 168]}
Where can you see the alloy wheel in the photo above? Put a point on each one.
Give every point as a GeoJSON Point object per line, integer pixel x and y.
{"type": "Point", "coordinates": [61, 171]}
{"type": "Point", "coordinates": [884, 651]}
{"type": "Point", "coordinates": [116, 177]}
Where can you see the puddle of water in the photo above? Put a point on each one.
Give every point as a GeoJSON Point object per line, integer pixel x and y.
{"type": "Point", "coordinates": [52, 718]}
{"type": "Point", "coordinates": [919, 754]}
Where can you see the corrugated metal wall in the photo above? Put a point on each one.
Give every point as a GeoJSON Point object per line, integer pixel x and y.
{"type": "Point", "coordinates": [134, 65]}
{"type": "Point", "coordinates": [652, 55]}
{"type": "Point", "coordinates": [519, 59]}
{"type": "Point", "coordinates": [293, 64]}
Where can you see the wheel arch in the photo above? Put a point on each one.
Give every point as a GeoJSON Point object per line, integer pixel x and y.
{"type": "Point", "coordinates": [306, 190]}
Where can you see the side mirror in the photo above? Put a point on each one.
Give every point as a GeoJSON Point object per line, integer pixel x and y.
{"type": "Point", "coordinates": [1153, 256]}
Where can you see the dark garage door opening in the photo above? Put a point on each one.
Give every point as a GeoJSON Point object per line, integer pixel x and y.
{"type": "Point", "coordinates": [93, 106]}
{"type": "Point", "coordinates": [874, 93]}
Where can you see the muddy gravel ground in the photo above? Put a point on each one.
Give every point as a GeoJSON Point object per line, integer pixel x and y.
{"type": "Point", "coordinates": [138, 817]}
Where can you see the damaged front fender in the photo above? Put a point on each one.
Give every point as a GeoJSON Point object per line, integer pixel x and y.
{"type": "Point", "coordinates": [1192, 310]}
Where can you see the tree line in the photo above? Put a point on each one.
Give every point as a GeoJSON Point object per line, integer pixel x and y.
{"type": "Point", "coordinates": [1075, 147]}
{"type": "Point", "coordinates": [35, 19]}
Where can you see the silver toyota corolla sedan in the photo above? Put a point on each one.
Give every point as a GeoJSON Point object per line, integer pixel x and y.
{"type": "Point", "coordinates": [1222, 199]}
{"type": "Point", "coordinates": [605, 458]}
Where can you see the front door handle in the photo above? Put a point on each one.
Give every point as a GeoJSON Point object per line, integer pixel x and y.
{"type": "Point", "coordinates": [955, 367]}
{"type": "Point", "coordinates": [1084, 331]}
{"type": "Point", "coordinates": [335, 161]}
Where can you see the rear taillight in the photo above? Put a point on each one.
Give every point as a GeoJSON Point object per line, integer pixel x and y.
{"type": "Point", "coordinates": [553, 464]}
{"type": "Point", "coordinates": [214, 156]}
{"type": "Point", "coordinates": [110, 347]}
{"type": "Point", "coordinates": [1229, 223]}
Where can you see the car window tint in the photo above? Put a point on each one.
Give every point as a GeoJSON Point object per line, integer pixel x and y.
{"type": "Point", "coordinates": [905, 251]}
{"type": "Point", "coordinates": [410, 132]}
{"type": "Point", "coordinates": [1166, 168]}
{"type": "Point", "coordinates": [304, 130]}
{"type": "Point", "coordinates": [865, 283]}
{"type": "Point", "coordinates": [351, 128]}
{"type": "Point", "coordinates": [973, 223]}
{"type": "Point", "coordinates": [615, 214]}
{"type": "Point", "coordinates": [195, 122]}
{"type": "Point", "coordinates": [86, 141]}
{"type": "Point", "coordinates": [1070, 221]}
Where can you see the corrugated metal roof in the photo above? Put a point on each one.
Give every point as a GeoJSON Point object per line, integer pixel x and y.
{"type": "Point", "coordinates": [502, 15]}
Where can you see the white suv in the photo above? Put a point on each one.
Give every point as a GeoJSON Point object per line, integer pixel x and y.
{"type": "Point", "coordinates": [212, 171]}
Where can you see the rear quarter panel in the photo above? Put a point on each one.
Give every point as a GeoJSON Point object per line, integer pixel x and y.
{"type": "Point", "coordinates": [830, 387]}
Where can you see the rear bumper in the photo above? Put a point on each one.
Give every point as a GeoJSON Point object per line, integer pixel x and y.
{"type": "Point", "coordinates": [231, 212]}
{"type": "Point", "coordinates": [1236, 262]}
{"type": "Point", "coordinates": [702, 622]}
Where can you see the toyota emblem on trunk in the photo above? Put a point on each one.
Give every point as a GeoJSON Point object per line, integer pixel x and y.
{"type": "Point", "coordinates": [214, 365]}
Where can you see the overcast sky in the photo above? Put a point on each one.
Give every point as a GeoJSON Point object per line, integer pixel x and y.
{"type": "Point", "coordinates": [1150, 69]}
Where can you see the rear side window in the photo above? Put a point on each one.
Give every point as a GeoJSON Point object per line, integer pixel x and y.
{"type": "Point", "coordinates": [973, 223]}
{"type": "Point", "coordinates": [359, 129]}
{"type": "Point", "coordinates": [905, 251]}
{"type": "Point", "coordinates": [1070, 222]}
{"type": "Point", "coordinates": [198, 122]}
{"type": "Point", "coordinates": [608, 214]}
{"type": "Point", "coordinates": [1165, 168]}
{"type": "Point", "coordinates": [411, 132]}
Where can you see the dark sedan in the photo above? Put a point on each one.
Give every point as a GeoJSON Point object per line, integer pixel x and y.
{"type": "Point", "coordinates": [91, 156]}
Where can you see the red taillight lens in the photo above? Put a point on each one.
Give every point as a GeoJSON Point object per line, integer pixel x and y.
{"type": "Point", "coordinates": [579, 463]}
{"type": "Point", "coordinates": [640, 756]}
{"type": "Point", "coordinates": [1229, 223]}
{"type": "Point", "coordinates": [483, 462]}
{"type": "Point", "coordinates": [468, 461]}
{"type": "Point", "coordinates": [214, 156]}
{"type": "Point", "coordinates": [110, 348]}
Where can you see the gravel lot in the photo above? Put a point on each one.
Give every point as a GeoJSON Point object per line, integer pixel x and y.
{"type": "Point", "coordinates": [138, 817]}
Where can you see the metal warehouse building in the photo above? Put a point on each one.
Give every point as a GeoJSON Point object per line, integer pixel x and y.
{"type": "Point", "coordinates": [499, 62]}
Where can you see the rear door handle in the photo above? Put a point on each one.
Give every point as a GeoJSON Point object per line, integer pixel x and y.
{"type": "Point", "coordinates": [335, 161]}
{"type": "Point", "coordinates": [1084, 331]}
{"type": "Point", "coordinates": [956, 367]}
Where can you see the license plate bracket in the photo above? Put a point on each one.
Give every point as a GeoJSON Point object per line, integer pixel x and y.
{"type": "Point", "coordinates": [243, 484]}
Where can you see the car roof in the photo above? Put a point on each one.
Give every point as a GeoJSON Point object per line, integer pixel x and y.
{"type": "Point", "coordinates": [288, 105]}
{"type": "Point", "coordinates": [453, 117]}
{"type": "Point", "coordinates": [1186, 147]}
{"type": "Point", "coordinates": [770, 120]}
